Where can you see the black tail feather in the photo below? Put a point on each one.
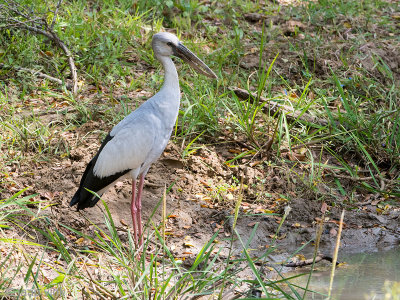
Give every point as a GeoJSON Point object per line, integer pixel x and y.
{"type": "Point", "coordinates": [91, 182]}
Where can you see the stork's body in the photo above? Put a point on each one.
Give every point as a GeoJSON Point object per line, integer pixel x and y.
{"type": "Point", "coordinates": [141, 137]}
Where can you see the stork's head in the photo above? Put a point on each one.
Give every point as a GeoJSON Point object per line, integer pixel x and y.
{"type": "Point", "coordinates": [167, 44]}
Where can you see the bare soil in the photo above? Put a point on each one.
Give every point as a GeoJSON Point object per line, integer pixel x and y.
{"type": "Point", "coordinates": [202, 199]}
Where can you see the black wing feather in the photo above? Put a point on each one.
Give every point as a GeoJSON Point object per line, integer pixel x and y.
{"type": "Point", "coordinates": [89, 181]}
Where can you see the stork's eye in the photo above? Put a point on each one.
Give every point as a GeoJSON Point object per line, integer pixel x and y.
{"type": "Point", "coordinates": [169, 44]}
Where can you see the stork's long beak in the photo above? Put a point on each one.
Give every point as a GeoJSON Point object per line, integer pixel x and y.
{"type": "Point", "coordinates": [188, 56]}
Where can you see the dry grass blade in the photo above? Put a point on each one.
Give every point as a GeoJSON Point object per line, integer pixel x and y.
{"type": "Point", "coordinates": [335, 254]}
{"type": "Point", "coordinates": [102, 291]}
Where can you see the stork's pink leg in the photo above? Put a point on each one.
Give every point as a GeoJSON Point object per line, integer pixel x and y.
{"type": "Point", "coordinates": [139, 209]}
{"type": "Point", "coordinates": [134, 211]}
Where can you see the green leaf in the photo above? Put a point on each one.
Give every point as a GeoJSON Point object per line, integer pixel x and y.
{"type": "Point", "coordinates": [58, 279]}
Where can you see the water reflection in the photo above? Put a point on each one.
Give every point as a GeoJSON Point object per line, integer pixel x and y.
{"type": "Point", "coordinates": [362, 278]}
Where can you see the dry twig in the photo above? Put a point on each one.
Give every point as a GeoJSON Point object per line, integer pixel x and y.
{"type": "Point", "coordinates": [310, 261]}
{"type": "Point", "coordinates": [291, 114]}
{"type": "Point", "coordinates": [33, 72]}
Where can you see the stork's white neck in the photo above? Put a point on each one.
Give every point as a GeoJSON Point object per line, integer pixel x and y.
{"type": "Point", "coordinates": [166, 101]}
{"type": "Point", "coordinates": [171, 80]}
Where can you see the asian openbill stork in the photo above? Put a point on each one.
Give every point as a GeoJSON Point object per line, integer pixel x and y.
{"type": "Point", "coordinates": [140, 138]}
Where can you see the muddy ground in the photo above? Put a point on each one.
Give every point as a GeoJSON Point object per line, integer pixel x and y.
{"type": "Point", "coordinates": [202, 201]}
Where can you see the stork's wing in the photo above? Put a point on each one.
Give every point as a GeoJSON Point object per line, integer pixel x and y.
{"type": "Point", "coordinates": [118, 155]}
{"type": "Point", "coordinates": [127, 150]}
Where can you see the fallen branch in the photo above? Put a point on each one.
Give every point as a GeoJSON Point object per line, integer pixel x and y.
{"type": "Point", "coordinates": [34, 72]}
{"type": "Point", "coordinates": [308, 262]}
{"type": "Point", "coordinates": [14, 15]}
{"type": "Point", "coordinates": [301, 146]}
{"type": "Point", "coordinates": [291, 114]}
{"type": "Point", "coordinates": [368, 178]}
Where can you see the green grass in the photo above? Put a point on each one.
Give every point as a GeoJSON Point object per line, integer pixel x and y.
{"type": "Point", "coordinates": [338, 68]}
{"type": "Point", "coordinates": [104, 265]}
